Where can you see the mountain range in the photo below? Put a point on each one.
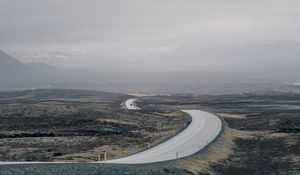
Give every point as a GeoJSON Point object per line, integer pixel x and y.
{"type": "Point", "coordinates": [192, 63]}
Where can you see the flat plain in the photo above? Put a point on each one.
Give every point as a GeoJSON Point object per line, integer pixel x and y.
{"type": "Point", "coordinates": [260, 134]}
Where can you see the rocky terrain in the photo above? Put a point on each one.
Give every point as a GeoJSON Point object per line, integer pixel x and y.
{"type": "Point", "coordinates": [260, 134]}
{"type": "Point", "coordinates": [72, 125]}
{"type": "Point", "coordinates": [264, 128]}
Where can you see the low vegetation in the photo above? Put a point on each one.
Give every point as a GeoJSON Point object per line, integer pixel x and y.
{"type": "Point", "coordinates": [260, 134]}
{"type": "Point", "coordinates": [75, 126]}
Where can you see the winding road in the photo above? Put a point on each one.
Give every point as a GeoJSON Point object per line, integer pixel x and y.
{"type": "Point", "coordinates": [130, 104]}
{"type": "Point", "coordinates": [203, 129]}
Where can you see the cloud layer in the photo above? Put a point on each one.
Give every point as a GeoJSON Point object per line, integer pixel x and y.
{"type": "Point", "coordinates": [146, 23]}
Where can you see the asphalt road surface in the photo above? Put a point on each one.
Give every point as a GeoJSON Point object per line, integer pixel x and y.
{"type": "Point", "coordinates": [130, 104]}
{"type": "Point", "coordinates": [204, 128]}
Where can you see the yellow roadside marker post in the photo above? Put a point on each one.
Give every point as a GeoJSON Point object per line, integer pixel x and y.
{"type": "Point", "coordinates": [105, 157]}
{"type": "Point", "coordinates": [99, 157]}
{"type": "Point", "coordinates": [148, 145]}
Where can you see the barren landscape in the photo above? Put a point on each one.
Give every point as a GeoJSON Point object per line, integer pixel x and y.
{"type": "Point", "coordinates": [143, 87]}
{"type": "Point", "coordinates": [73, 125]}
{"type": "Point", "coordinates": [260, 134]}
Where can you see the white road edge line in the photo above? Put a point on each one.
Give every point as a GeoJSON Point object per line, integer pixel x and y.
{"type": "Point", "coordinates": [203, 129]}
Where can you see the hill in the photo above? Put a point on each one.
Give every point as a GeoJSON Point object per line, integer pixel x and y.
{"type": "Point", "coordinates": [13, 71]}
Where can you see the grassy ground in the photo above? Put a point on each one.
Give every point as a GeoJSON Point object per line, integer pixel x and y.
{"type": "Point", "coordinates": [76, 125]}
{"type": "Point", "coordinates": [261, 136]}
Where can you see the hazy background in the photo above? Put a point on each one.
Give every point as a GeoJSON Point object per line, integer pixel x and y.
{"type": "Point", "coordinates": [194, 46]}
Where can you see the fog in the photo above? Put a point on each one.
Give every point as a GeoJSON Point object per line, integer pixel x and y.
{"type": "Point", "coordinates": [143, 41]}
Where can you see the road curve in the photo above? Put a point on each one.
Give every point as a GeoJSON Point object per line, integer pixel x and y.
{"type": "Point", "coordinates": [203, 129]}
{"type": "Point", "coordinates": [130, 104]}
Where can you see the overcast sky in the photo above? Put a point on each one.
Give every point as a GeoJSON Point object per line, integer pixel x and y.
{"type": "Point", "coordinates": [145, 23]}
{"type": "Point", "coordinates": [104, 31]}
